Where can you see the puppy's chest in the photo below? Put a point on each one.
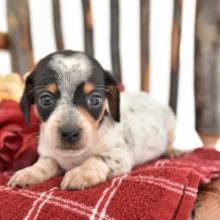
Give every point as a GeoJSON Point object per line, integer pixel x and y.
{"type": "Point", "coordinates": [66, 160]}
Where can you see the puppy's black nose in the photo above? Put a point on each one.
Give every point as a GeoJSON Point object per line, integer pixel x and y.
{"type": "Point", "coordinates": [70, 134]}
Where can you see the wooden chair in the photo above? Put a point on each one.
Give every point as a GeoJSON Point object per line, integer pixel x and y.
{"type": "Point", "coordinates": [207, 46]}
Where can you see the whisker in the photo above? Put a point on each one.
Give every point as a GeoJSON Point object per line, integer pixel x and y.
{"type": "Point", "coordinates": [32, 138]}
{"type": "Point", "coordinates": [32, 135]}
{"type": "Point", "coordinates": [34, 125]}
{"type": "Point", "coordinates": [104, 89]}
{"type": "Point", "coordinates": [106, 86]}
{"type": "Point", "coordinates": [36, 89]}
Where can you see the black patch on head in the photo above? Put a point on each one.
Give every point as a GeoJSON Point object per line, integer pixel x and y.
{"type": "Point", "coordinates": [42, 76]}
{"type": "Point", "coordinates": [36, 84]}
{"type": "Point", "coordinates": [45, 76]}
{"type": "Point", "coordinates": [104, 82]}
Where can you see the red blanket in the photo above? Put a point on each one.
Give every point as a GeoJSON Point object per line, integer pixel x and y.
{"type": "Point", "coordinates": [163, 189]}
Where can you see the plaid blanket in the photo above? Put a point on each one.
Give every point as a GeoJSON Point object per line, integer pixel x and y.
{"type": "Point", "coordinates": [163, 189]}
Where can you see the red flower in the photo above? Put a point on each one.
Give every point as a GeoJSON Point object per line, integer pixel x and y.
{"type": "Point", "coordinates": [18, 142]}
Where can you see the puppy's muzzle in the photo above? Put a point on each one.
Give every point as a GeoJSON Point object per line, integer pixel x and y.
{"type": "Point", "coordinates": [70, 134]}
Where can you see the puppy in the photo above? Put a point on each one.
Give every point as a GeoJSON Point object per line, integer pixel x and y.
{"type": "Point", "coordinates": [83, 130]}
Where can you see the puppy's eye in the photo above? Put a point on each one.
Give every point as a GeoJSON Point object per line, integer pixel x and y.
{"type": "Point", "coordinates": [46, 100]}
{"type": "Point", "coordinates": [95, 99]}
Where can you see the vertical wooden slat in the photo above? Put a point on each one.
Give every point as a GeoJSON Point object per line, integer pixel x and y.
{"type": "Point", "coordinates": [175, 53]}
{"type": "Point", "coordinates": [207, 71]}
{"type": "Point", "coordinates": [115, 32]}
{"type": "Point", "coordinates": [57, 24]}
{"type": "Point", "coordinates": [19, 35]}
{"type": "Point", "coordinates": [3, 40]}
{"type": "Point", "coordinates": [88, 26]}
{"type": "Point", "coordinates": [144, 28]}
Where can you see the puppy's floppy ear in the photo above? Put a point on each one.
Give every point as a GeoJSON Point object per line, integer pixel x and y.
{"type": "Point", "coordinates": [28, 98]}
{"type": "Point", "coordinates": [113, 96]}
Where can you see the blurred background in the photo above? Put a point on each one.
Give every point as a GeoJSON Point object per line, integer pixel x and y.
{"type": "Point", "coordinates": [160, 45]}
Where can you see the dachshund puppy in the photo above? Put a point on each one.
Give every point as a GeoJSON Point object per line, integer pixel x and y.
{"type": "Point", "coordinates": [83, 132]}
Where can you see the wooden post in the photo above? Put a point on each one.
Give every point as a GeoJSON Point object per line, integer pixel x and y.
{"type": "Point", "coordinates": [175, 54]}
{"type": "Point", "coordinates": [115, 54]}
{"type": "Point", "coordinates": [19, 35]}
{"type": "Point", "coordinates": [207, 204]}
{"type": "Point", "coordinates": [88, 26]}
{"type": "Point", "coordinates": [207, 71]}
{"type": "Point", "coordinates": [145, 55]}
{"type": "Point", "coordinates": [57, 24]}
{"type": "Point", "coordinates": [3, 40]}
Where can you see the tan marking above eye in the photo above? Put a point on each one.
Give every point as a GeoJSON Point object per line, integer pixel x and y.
{"type": "Point", "coordinates": [52, 87]}
{"type": "Point", "coordinates": [88, 87]}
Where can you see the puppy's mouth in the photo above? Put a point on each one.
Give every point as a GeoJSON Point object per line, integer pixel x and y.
{"type": "Point", "coordinates": [75, 151]}
{"type": "Point", "coordinates": [72, 147]}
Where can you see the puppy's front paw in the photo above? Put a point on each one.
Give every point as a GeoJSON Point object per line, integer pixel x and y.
{"type": "Point", "coordinates": [83, 177]}
{"type": "Point", "coordinates": [22, 178]}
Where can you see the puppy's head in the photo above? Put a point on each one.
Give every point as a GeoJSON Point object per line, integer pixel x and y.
{"type": "Point", "coordinates": [72, 94]}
